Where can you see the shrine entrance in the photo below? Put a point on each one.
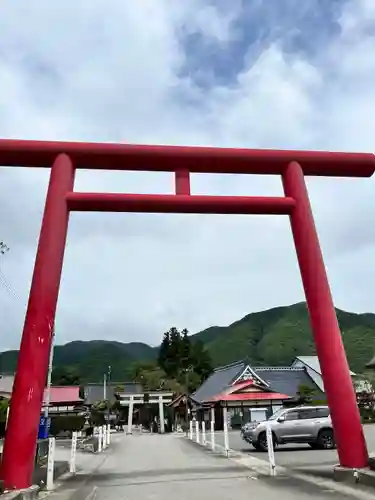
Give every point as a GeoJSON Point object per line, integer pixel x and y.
{"type": "Point", "coordinates": [143, 405]}
{"type": "Point", "coordinates": [65, 158]}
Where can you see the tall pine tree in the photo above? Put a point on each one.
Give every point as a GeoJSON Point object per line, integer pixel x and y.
{"type": "Point", "coordinates": [174, 353]}
{"type": "Point", "coordinates": [185, 350]}
{"type": "Point", "coordinates": [201, 360]}
{"type": "Point", "coordinates": [164, 351]}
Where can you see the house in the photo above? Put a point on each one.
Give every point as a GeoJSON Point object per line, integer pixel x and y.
{"type": "Point", "coordinates": [312, 366]}
{"type": "Point", "coordinates": [64, 400]}
{"type": "Point", "coordinates": [6, 386]}
{"type": "Point", "coordinates": [246, 392]}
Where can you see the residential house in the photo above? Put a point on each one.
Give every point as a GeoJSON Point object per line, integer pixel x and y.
{"type": "Point", "coordinates": [312, 366]}
{"type": "Point", "coordinates": [6, 386]}
{"type": "Point", "coordinates": [64, 400]}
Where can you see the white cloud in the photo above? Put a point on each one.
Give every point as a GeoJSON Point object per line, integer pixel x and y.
{"type": "Point", "coordinates": [103, 73]}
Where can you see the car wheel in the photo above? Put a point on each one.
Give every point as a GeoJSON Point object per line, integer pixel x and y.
{"type": "Point", "coordinates": [262, 441]}
{"type": "Point", "coordinates": [326, 439]}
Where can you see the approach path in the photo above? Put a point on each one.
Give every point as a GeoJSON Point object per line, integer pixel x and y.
{"type": "Point", "coordinates": [145, 467]}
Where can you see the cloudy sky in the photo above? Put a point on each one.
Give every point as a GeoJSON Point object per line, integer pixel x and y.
{"type": "Point", "coordinates": [260, 73]}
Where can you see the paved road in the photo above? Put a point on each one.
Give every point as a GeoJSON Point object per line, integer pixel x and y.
{"type": "Point", "coordinates": [145, 467]}
{"type": "Point", "coordinates": [294, 456]}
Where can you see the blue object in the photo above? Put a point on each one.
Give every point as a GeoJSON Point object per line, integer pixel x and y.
{"type": "Point", "coordinates": [44, 425]}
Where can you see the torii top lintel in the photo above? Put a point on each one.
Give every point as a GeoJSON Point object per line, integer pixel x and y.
{"type": "Point", "coordinates": [107, 156]}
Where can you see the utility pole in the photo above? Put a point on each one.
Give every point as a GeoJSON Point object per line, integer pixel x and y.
{"type": "Point", "coordinates": [49, 375]}
{"type": "Point", "coordinates": [109, 394]}
{"type": "Point", "coordinates": [187, 371]}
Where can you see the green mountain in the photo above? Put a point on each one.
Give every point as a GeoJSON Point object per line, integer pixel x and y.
{"type": "Point", "coordinates": [271, 337]}
{"type": "Point", "coordinates": [92, 358]}
{"type": "Point", "coordinates": [276, 336]}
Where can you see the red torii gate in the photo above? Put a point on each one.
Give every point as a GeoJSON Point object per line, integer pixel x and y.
{"type": "Point", "coordinates": [65, 158]}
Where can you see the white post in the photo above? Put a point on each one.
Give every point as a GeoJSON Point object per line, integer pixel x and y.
{"type": "Point", "coordinates": [130, 414]}
{"type": "Point", "coordinates": [197, 430]}
{"type": "Point", "coordinates": [72, 465]}
{"type": "Point", "coordinates": [213, 429]}
{"type": "Point", "coordinates": [104, 437]}
{"type": "Point", "coordinates": [203, 433]}
{"type": "Point", "coordinates": [105, 387]}
{"type": "Point", "coordinates": [50, 463]}
{"type": "Point", "coordinates": [270, 450]}
{"type": "Point", "coordinates": [100, 439]}
{"type": "Point", "coordinates": [108, 434]}
{"type": "Point", "coordinates": [226, 437]}
{"type": "Point", "coordinates": [161, 415]}
{"type": "Point", "coordinates": [191, 429]}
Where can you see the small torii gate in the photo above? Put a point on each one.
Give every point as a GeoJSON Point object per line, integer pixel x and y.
{"type": "Point", "coordinates": [161, 398]}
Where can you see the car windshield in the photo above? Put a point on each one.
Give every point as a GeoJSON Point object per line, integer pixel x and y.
{"type": "Point", "coordinates": [277, 414]}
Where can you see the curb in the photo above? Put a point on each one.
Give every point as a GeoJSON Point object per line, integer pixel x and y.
{"type": "Point", "coordinates": [262, 469]}
{"type": "Point", "coordinates": [26, 494]}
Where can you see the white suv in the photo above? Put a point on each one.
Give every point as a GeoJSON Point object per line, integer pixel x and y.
{"type": "Point", "coordinates": [304, 424]}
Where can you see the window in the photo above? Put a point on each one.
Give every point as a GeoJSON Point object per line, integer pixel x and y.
{"type": "Point", "coordinates": [291, 415]}
{"type": "Point", "coordinates": [308, 413]}
{"type": "Point", "coordinates": [322, 412]}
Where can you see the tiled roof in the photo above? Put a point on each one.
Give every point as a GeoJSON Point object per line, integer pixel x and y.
{"type": "Point", "coordinates": [63, 394]}
{"type": "Point", "coordinates": [95, 392]}
{"type": "Point", "coordinates": [313, 363]}
{"type": "Point", "coordinates": [251, 396]}
{"type": "Point", "coordinates": [218, 380]}
{"type": "Point", "coordinates": [284, 379]}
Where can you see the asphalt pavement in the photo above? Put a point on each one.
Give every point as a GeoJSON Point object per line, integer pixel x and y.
{"type": "Point", "coordinates": [154, 466]}
{"type": "Point", "coordinates": [294, 456]}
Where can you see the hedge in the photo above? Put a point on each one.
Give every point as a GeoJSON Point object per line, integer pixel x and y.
{"type": "Point", "coordinates": [66, 423]}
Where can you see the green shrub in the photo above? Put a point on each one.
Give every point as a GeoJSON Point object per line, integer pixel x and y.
{"type": "Point", "coordinates": [66, 423]}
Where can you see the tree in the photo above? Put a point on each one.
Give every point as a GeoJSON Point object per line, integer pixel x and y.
{"type": "Point", "coordinates": [138, 367]}
{"type": "Point", "coordinates": [4, 403]}
{"type": "Point", "coordinates": [65, 375]}
{"type": "Point", "coordinates": [185, 350]}
{"type": "Point", "coordinates": [173, 365]}
{"type": "Point", "coordinates": [305, 394]}
{"type": "Point", "coordinates": [201, 360]}
{"type": "Point", "coordinates": [101, 405]}
{"type": "Point", "coordinates": [164, 351]}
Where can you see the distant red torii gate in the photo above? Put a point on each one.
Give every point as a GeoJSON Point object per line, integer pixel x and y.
{"type": "Point", "coordinates": [65, 158]}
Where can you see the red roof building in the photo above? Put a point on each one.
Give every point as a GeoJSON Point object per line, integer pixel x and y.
{"type": "Point", "coordinates": [247, 393]}
{"type": "Point", "coordinates": [63, 400]}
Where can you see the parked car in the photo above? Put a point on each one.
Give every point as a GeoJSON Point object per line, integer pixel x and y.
{"type": "Point", "coordinates": [305, 424]}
